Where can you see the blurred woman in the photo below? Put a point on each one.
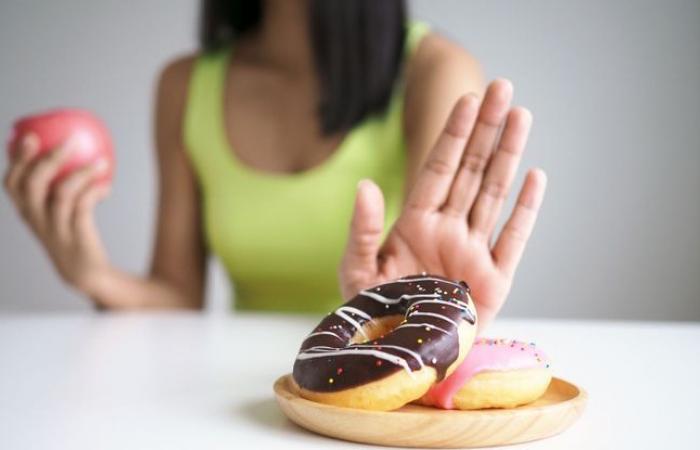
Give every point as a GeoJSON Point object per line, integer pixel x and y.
{"type": "Point", "coordinates": [295, 119]}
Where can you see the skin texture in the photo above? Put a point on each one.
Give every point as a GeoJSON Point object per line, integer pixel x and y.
{"type": "Point", "coordinates": [271, 85]}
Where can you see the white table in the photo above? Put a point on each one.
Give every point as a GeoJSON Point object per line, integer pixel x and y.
{"type": "Point", "coordinates": [191, 381]}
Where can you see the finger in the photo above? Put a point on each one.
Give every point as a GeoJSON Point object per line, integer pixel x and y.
{"type": "Point", "coordinates": [65, 195]}
{"type": "Point", "coordinates": [34, 185]}
{"type": "Point", "coordinates": [83, 220]}
{"type": "Point", "coordinates": [433, 183]}
{"type": "Point", "coordinates": [501, 172]}
{"type": "Point", "coordinates": [481, 144]}
{"type": "Point", "coordinates": [366, 229]}
{"type": "Point", "coordinates": [21, 158]}
{"type": "Point", "coordinates": [511, 243]}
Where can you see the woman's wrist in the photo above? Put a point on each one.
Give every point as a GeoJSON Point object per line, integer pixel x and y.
{"type": "Point", "coordinates": [96, 284]}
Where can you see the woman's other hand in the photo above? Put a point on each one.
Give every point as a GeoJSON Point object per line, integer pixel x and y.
{"type": "Point", "coordinates": [448, 221]}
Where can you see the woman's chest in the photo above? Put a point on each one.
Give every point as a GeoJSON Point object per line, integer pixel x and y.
{"type": "Point", "coordinates": [296, 225]}
{"type": "Point", "coordinates": [275, 229]}
{"type": "Point", "coordinates": [272, 125]}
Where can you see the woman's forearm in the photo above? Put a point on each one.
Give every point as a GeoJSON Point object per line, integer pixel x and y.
{"type": "Point", "coordinates": [116, 289]}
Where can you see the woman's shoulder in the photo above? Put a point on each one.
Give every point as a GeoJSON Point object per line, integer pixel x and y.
{"type": "Point", "coordinates": [437, 74]}
{"type": "Point", "coordinates": [172, 86]}
{"type": "Point", "coordinates": [171, 99]}
{"type": "Point", "coordinates": [174, 74]}
{"type": "Point", "coordinates": [438, 60]}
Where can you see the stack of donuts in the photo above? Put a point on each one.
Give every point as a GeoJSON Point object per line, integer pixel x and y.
{"type": "Point", "coordinates": [413, 340]}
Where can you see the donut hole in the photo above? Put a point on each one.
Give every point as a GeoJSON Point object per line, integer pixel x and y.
{"type": "Point", "coordinates": [376, 328]}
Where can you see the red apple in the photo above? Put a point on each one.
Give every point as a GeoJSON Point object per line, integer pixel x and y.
{"type": "Point", "coordinates": [88, 136]}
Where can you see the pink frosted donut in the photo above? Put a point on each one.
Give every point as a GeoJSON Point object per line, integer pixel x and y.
{"type": "Point", "coordinates": [497, 373]}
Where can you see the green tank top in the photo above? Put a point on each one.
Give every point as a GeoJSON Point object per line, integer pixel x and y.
{"type": "Point", "coordinates": [281, 237]}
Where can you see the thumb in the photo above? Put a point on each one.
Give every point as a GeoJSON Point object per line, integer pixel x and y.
{"type": "Point", "coordinates": [366, 229]}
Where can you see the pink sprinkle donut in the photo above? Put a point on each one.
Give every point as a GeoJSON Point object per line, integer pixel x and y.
{"type": "Point", "coordinates": [497, 373]}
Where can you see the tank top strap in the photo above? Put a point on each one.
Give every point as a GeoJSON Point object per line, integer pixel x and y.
{"type": "Point", "coordinates": [415, 32]}
{"type": "Point", "coordinates": [203, 119]}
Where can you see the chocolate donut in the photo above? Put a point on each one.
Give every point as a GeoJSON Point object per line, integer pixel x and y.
{"type": "Point", "coordinates": [387, 345]}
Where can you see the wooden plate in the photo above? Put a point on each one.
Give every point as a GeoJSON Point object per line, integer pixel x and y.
{"type": "Point", "coordinates": [419, 426]}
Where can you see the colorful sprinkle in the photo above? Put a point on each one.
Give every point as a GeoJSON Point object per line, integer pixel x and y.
{"type": "Point", "coordinates": [330, 381]}
{"type": "Point", "coordinates": [420, 341]}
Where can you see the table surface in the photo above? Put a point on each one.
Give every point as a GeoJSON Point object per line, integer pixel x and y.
{"type": "Point", "coordinates": [187, 380]}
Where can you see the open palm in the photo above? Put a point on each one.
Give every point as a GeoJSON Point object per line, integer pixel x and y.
{"type": "Point", "coordinates": [448, 221]}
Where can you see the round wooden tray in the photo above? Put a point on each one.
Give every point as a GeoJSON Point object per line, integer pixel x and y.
{"type": "Point", "coordinates": [419, 426]}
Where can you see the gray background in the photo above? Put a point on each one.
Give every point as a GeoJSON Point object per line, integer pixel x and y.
{"type": "Point", "coordinates": [613, 87]}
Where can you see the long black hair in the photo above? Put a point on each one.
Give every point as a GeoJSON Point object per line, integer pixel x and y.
{"type": "Point", "coordinates": [357, 44]}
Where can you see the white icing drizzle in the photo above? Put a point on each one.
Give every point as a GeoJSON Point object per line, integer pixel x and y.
{"type": "Point", "coordinates": [355, 311]}
{"type": "Point", "coordinates": [413, 280]}
{"type": "Point", "coordinates": [439, 316]}
{"type": "Point", "coordinates": [423, 325]}
{"type": "Point", "coordinates": [460, 305]}
{"type": "Point", "coordinates": [325, 348]}
{"type": "Point", "coordinates": [396, 347]}
{"type": "Point", "coordinates": [399, 361]}
{"type": "Point", "coordinates": [393, 301]}
{"type": "Point", "coordinates": [330, 333]}
{"type": "Point", "coordinates": [343, 311]}
{"type": "Point", "coordinates": [321, 348]}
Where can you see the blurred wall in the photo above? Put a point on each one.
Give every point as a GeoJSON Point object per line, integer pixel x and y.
{"type": "Point", "coordinates": [613, 87]}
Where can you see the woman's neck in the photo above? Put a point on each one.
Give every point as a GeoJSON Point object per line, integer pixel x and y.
{"type": "Point", "coordinates": [283, 38]}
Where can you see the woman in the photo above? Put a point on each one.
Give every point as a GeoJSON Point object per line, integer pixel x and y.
{"type": "Point", "coordinates": [265, 137]}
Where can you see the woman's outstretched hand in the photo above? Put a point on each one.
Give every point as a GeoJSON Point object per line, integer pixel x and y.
{"type": "Point", "coordinates": [447, 224]}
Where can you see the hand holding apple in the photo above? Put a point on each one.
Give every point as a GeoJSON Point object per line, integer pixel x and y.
{"type": "Point", "coordinates": [87, 136]}
{"type": "Point", "coordinates": [61, 166]}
